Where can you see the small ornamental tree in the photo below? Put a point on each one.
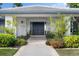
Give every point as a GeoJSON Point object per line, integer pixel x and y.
{"type": "Point", "coordinates": [51, 23]}
{"type": "Point", "coordinates": [60, 26]}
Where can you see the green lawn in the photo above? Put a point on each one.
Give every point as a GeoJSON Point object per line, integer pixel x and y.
{"type": "Point", "coordinates": [7, 52]}
{"type": "Point", "coordinates": [68, 52]}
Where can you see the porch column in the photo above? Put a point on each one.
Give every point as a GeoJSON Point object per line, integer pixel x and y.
{"type": "Point", "coordinates": [9, 25]}
{"type": "Point", "coordinates": [68, 27]}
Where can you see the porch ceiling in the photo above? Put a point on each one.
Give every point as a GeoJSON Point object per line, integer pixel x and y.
{"type": "Point", "coordinates": [39, 10]}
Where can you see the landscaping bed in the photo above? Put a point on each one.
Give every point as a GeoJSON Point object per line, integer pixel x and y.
{"type": "Point", "coordinates": [56, 41]}
{"type": "Point", "coordinates": [65, 46]}
{"type": "Point", "coordinates": [9, 39]}
{"type": "Point", "coordinates": [9, 44]}
{"type": "Point", "coordinates": [68, 51]}
{"type": "Point", "coordinates": [8, 51]}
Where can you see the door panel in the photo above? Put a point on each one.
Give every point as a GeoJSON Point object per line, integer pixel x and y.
{"type": "Point", "coordinates": [38, 28]}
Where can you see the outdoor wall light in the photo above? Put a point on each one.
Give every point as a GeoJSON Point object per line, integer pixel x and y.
{"type": "Point", "coordinates": [22, 22]}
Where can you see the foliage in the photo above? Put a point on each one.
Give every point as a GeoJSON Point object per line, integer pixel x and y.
{"type": "Point", "coordinates": [57, 36]}
{"type": "Point", "coordinates": [17, 4]}
{"type": "Point", "coordinates": [10, 30]}
{"type": "Point", "coordinates": [22, 37]}
{"type": "Point", "coordinates": [60, 26]}
{"type": "Point", "coordinates": [73, 5]}
{"type": "Point", "coordinates": [14, 23]}
{"type": "Point", "coordinates": [7, 40]}
{"type": "Point", "coordinates": [20, 42]}
{"type": "Point", "coordinates": [55, 43]}
{"type": "Point", "coordinates": [51, 23]}
{"type": "Point", "coordinates": [7, 30]}
{"type": "Point", "coordinates": [71, 41]}
{"type": "Point", "coordinates": [50, 35]}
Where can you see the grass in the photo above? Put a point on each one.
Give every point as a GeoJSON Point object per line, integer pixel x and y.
{"type": "Point", "coordinates": [68, 52]}
{"type": "Point", "coordinates": [7, 51]}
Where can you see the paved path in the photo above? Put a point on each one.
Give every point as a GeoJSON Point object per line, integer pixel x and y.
{"type": "Point", "coordinates": [36, 47]}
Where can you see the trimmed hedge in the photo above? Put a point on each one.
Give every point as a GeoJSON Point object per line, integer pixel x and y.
{"type": "Point", "coordinates": [7, 40]}
{"type": "Point", "coordinates": [71, 41]}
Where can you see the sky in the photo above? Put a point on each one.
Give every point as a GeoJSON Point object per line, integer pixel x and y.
{"type": "Point", "coordinates": [9, 5]}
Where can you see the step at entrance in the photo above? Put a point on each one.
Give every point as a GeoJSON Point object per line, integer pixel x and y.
{"type": "Point", "coordinates": [37, 36]}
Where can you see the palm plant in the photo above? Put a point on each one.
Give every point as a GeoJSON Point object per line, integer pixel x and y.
{"type": "Point", "coordinates": [60, 26]}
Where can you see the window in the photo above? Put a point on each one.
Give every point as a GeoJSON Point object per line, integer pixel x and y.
{"type": "Point", "coordinates": [2, 23]}
{"type": "Point", "coordinates": [74, 26]}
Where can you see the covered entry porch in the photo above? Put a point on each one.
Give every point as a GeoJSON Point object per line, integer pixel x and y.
{"type": "Point", "coordinates": [37, 24]}
{"type": "Point", "coordinates": [31, 25]}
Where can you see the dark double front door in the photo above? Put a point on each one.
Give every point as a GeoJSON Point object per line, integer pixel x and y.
{"type": "Point", "coordinates": [37, 28]}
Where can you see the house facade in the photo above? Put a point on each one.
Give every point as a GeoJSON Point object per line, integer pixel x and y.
{"type": "Point", "coordinates": [35, 19]}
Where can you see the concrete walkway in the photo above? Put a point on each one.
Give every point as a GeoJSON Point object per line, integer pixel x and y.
{"type": "Point", "coordinates": [36, 47]}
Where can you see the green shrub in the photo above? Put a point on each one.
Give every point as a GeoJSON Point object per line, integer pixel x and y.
{"type": "Point", "coordinates": [21, 37]}
{"type": "Point", "coordinates": [24, 37]}
{"type": "Point", "coordinates": [71, 41]}
{"type": "Point", "coordinates": [53, 35]}
{"type": "Point", "coordinates": [50, 35]}
{"type": "Point", "coordinates": [54, 40]}
{"type": "Point", "coordinates": [20, 42]}
{"type": "Point", "coordinates": [7, 40]}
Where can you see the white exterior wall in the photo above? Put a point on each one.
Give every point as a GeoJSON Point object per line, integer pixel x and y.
{"type": "Point", "coordinates": [8, 18]}
{"type": "Point", "coordinates": [21, 27]}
